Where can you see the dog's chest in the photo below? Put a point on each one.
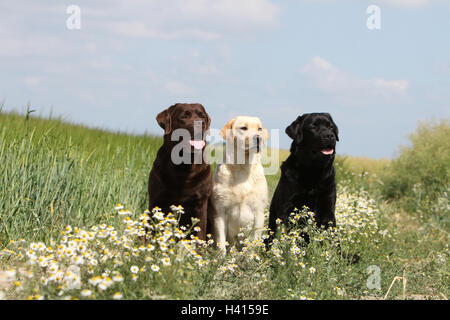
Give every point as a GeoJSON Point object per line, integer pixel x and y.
{"type": "Point", "coordinates": [240, 186]}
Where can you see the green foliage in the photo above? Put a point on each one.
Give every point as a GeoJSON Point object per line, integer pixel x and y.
{"type": "Point", "coordinates": [419, 176]}
{"type": "Point", "coordinates": [425, 162]}
{"type": "Point", "coordinates": [59, 182]}
{"type": "Point", "coordinates": [53, 174]}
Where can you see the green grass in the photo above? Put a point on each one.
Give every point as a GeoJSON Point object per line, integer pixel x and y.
{"type": "Point", "coordinates": [55, 174]}
{"type": "Point", "coordinates": [419, 177]}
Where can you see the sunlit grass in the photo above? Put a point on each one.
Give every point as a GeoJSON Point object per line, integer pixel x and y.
{"type": "Point", "coordinates": [61, 183]}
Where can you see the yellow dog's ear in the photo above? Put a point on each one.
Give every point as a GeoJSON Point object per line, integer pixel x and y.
{"type": "Point", "coordinates": [227, 128]}
{"type": "Point", "coordinates": [265, 134]}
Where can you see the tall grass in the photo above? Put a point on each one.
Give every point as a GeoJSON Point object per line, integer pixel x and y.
{"type": "Point", "coordinates": [53, 173]}
{"type": "Point", "coordinates": [419, 176]}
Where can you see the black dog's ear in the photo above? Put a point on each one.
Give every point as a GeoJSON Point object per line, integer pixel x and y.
{"type": "Point", "coordinates": [335, 128]}
{"type": "Point", "coordinates": [295, 129]}
{"type": "Point", "coordinates": [164, 119]}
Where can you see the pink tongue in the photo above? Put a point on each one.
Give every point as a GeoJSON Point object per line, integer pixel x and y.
{"type": "Point", "coordinates": [197, 144]}
{"type": "Point", "coordinates": [327, 151]}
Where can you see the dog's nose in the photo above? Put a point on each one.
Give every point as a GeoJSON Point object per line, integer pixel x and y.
{"type": "Point", "coordinates": [200, 123]}
{"type": "Point", "coordinates": [328, 135]}
{"type": "Point", "coordinates": [257, 139]}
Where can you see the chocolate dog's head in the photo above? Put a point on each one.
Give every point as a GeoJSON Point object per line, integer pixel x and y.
{"type": "Point", "coordinates": [315, 136]}
{"type": "Point", "coordinates": [191, 117]}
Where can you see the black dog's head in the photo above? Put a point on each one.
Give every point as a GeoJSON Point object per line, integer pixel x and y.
{"type": "Point", "coordinates": [191, 117]}
{"type": "Point", "coordinates": [315, 136]}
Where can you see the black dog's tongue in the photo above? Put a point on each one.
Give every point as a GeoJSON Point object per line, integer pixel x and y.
{"type": "Point", "coordinates": [327, 151]}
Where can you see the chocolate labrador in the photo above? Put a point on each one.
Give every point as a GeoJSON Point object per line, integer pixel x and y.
{"type": "Point", "coordinates": [179, 175]}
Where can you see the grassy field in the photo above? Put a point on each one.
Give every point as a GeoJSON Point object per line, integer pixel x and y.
{"type": "Point", "coordinates": [63, 235]}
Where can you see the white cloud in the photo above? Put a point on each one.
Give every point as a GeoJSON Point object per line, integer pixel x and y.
{"type": "Point", "coordinates": [391, 3]}
{"type": "Point", "coordinates": [32, 81]}
{"type": "Point", "coordinates": [405, 3]}
{"type": "Point", "coordinates": [40, 29]}
{"type": "Point", "coordinates": [337, 82]}
{"type": "Point", "coordinates": [186, 19]}
{"type": "Point", "coordinates": [386, 87]}
{"type": "Point", "coordinates": [178, 88]}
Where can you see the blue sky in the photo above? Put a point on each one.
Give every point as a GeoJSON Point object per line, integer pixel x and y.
{"type": "Point", "coordinates": [271, 59]}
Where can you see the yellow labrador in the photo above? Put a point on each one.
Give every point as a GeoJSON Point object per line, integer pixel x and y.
{"type": "Point", "coordinates": [240, 193]}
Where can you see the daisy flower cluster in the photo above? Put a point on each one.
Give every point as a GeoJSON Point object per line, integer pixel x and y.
{"type": "Point", "coordinates": [301, 248]}
{"type": "Point", "coordinates": [137, 255]}
{"type": "Point", "coordinates": [98, 262]}
{"type": "Point", "coordinates": [356, 217]}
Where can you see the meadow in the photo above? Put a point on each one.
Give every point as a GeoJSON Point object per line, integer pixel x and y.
{"type": "Point", "coordinates": [73, 209]}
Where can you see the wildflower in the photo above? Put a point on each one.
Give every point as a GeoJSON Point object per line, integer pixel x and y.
{"type": "Point", "coordinates": [312, 270]}
{"type": "Point", "coordinates": [134, 269]}
{"type": "Point", "coordinates": [339, 291]}
{"type": "Point", "coordinates": [117, 278]}
{"type": "Point", "coordinates": [158, 215]}
{"type": "Point", "coordinates": [44, 281]}
{"type": "Point", "coordinates": [86, 293]}
{"type": "Point", "coordinates": [10, 274]}
{"type": "Point", "coordinates": [166, 261]}
{"type": "Point", "coordinates": [118, 207]}
{"type": "Point", "coordinates": [117, 296]}
{"type": "Point", "coordinates": [155, 268]}
{"type": "Point", "coordinates": [124, 212]}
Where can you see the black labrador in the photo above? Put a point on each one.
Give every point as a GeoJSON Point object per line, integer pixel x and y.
{"type": "Point", "coordinates": [308, 174]}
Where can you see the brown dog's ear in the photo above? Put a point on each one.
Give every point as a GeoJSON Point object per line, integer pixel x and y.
{"type": "Point", "coordinates": [228, 126]}
{"type": "Point", "coordinates": [164, 120]}
{"type": "Point", "coordinates": [295, 129]}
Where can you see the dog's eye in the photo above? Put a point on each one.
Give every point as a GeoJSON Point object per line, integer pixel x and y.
{"type": "Point", "coordinates": [243, 128]}
{"type": "Point", "coordinates": [186, 115]}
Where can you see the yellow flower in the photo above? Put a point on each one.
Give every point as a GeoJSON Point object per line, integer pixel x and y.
{"type": "Point", "coordinates": [134, 269]}
{"type": "Point", "coordinates": [155, 268]}
{"type": "Point", "coordinates": [86, 293]}
{"type": "Point", "coordinates": [166, 261]}
{"type": "Point", "coordinates": [117, 296]}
